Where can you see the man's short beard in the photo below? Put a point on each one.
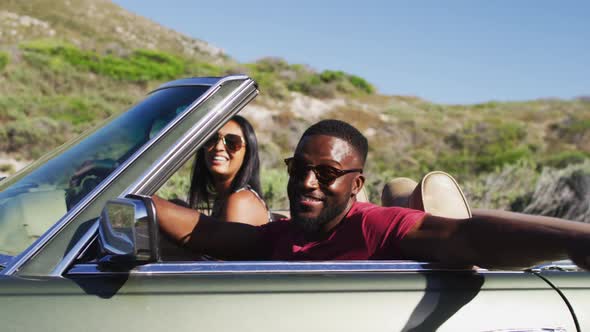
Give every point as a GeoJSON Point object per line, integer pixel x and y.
{"type": "Point", "coordinates": [314, 225]}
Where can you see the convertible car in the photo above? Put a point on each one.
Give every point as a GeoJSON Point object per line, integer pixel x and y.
{"type": "Point", "coordinates": [80, 251]}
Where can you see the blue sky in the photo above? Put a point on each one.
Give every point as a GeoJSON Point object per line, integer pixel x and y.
{"type": "Point", "coordinates": [443, 51]}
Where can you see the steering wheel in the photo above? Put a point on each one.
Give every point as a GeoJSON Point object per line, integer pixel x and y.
{"type": "Point", "coordinates": [86, 178]}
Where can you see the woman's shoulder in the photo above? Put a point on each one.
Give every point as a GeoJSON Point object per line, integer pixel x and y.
{"type": "Point", "coordinates": [248, 193]}
{"type": "Point", "coordinates": [245, 195]}
{"type": "Point", "coordinates": [246, 204]}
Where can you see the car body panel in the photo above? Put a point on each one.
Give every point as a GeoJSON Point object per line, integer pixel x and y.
{"type": "Point", "coordinates": [575, 288]}
{"type": "Point", "coordinates": [287, 301]}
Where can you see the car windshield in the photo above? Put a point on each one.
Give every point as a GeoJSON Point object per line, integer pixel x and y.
{"type": "Point", "coordinates": [34, 199]}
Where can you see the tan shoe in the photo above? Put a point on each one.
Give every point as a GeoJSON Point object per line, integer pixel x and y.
{"type": "Point", "coordinates": [440, 195]}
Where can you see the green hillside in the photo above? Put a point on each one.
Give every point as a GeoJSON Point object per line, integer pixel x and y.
{"type": "Point", "coordinates": [67, 65]}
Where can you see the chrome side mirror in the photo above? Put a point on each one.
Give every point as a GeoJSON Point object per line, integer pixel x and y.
{"type": "Point", "coordinates": [128, 230]}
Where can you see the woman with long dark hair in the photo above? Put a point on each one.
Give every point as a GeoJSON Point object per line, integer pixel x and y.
{"type": "Point", "coordinates": [226, 175]}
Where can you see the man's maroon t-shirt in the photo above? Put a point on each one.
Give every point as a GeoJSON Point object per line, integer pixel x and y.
{"type": "Point", "coordinates": [367, 232]}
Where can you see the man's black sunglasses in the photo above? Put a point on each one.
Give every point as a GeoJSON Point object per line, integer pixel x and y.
{"type": "Point", "coordinates": [232, 142]}
{"type": "Point", "coordinates": [326, 175]}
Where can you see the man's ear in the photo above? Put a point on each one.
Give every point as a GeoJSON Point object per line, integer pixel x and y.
{"type": "Point", "coordinates": [357, 184]}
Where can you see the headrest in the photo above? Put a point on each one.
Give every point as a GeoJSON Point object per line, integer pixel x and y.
{"type": "Point", "coordinates": [438, 193]}
{"type": "Point", "coordinates": [397, 192]}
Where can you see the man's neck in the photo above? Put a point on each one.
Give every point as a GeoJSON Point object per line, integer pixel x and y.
{"type": "Point", "coordinates": [329, 226]}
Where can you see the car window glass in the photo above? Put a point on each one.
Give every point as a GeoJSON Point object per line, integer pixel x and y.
{"type": "Point", "coordinates": [35, 199]}
{"type": "Point", "coordinates": [198, 119]}
{"type": "Point", "coordinates": [177, 186]}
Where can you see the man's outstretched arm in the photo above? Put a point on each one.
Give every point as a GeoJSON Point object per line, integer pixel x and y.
{"type": "Point", "coordinates": [203, 234]}
{"type": "Point", "coordinates": [498, 239]}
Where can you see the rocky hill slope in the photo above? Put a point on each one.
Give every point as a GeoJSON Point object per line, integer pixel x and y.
{"type": "Point", "coordinates": [95, 24]}
{"type": "Point", "coordinates": [66, 65]}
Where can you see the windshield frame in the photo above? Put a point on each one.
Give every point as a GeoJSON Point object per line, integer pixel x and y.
{"type": "Point", "coordinates": [34, 199]}
{"type": "Point", "coordinates": [17, 263]}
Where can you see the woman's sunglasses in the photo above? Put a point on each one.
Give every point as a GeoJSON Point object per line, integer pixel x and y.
{"type": "Point", "coordinates": [326, 175]}
{"type": "Point", "coordinates": [232, 142]}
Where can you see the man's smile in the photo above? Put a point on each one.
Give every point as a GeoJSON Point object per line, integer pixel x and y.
{"type": "Point", "coordinates": [309, 200]}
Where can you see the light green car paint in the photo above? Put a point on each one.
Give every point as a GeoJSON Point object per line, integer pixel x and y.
{"type": "Point", "coordinates": [378, 301]}
{"type": "Point", "coordinates": [575, 287]}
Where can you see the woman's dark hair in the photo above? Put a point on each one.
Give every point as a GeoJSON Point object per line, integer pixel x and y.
{"type": "Point", "coordinates": [202, 189]}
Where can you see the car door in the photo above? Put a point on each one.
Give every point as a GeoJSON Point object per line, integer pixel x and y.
{"type": "Point", "coordinates": [283, 296]}
{"type": "Point", "coordinates": [574, 285]}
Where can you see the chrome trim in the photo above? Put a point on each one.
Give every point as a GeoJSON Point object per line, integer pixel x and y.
{"type": "Point", "coordinates": [564, 265]}
{"type": "Point", "coordinates": [154, 172]}
{"type": "Point", "coordinates": [75, 251]}
{"type": "Point", "coordinates": [23, 257]}
{"type": "Point", "coordinates": [257, 267]}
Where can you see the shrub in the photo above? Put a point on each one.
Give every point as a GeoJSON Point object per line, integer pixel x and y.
{"type": "Point", "coordinates": [274, 188]}
{"type": "Point", "coordinates": [565, 158]}
{"type": "Point", "coordinates": [573, 130]}
{"type": "Point", "coordinates": [4, 58]}
{"type": "Point", "coordinates": [269, 84]}
{"type": "Point", "coordinates": [483, 147]}
{"type": "Point", "coordinates": [467, 163]}
{"type": "Point", "coordinates": [78, 110]}
{"type": "Point", "coordinates": [578, 126]}
{"type": "Point", "coordinates": [361, 84]}
{"type": "Point", "coordinates": [140, 65]}
{"type": "Point", "coordinates": [7, 168]}
{"type": "Point", "coordinates": [571, 127]}
{"type": "Point", "coordinates": [32, 137]}
{"type": "Point", "coordinates": [328, 83]}
{"type": "Point", "coordinates": [562, 193]}
{"type": "Point", "coordinates": [277, 78]}
{"type": "Point", "coordinates": [270, 65]}
{"type": "Point", "coordinates": [329, 76]}
{"type": "Point", "coordinates": [178, 186]}
{"type": "Point", "coordinates": [312, 85]}
{"type": "Point", "coordinates": [347, 83]}
{"type": "Point", "coordinates": [503, 188]}
{"type": "Point", "coordinates": [205, 69]}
